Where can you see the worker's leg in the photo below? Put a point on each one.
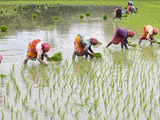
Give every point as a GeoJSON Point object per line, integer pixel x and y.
{"type": "Point", "coordinates": [121, 45]}
{"type": "Point", "coordinates": [152, 41]}
{"type": "Point", "coordinates": [125, 45]}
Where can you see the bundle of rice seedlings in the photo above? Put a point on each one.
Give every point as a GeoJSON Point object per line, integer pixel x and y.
{"type": "Point", "coordinates": [4, 28]}
{"type": "Point", "coordinates": [55, 18]}
{"type": "Point", "coordinates": [105, 17]}
{"type": "Point", "coordinates": [88, 14]}
{"type": "Point", "coordinates": [132, 44]}
{"type": "Point", "coordinates": [81, 16]}
{"type": "Point", "coordinates": [98, 55]}
{"type": "Point", "coordinates": [56, 57]}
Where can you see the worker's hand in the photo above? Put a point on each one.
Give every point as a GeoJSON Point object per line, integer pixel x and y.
{"type": "Point", "coordinates": [92, 55]}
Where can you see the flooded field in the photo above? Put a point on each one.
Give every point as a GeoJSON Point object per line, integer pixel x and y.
{"type": "Point", "coordinates": [120, 86]}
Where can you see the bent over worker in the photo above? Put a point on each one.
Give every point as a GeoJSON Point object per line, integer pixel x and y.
{"type": "Point", "coordinates": [131, 9]}
{"type": "Point", "coordinates": [121, 35]}
{"type": "Point", "coordinates": [117, 13]}
{"type": "Point", "coordinates": [82, 47]}
{"type": "Point", "coordinates": [37, 50]}
{"type": "Point", "coordinates": [147, 34]}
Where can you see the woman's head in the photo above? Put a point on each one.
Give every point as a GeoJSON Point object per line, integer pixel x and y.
{"type": "Point", "coordinates": [93, 41]}
{"type": "Point", "coordinates": [46, 46]}
{"type": "Point", "coordinates": [155, 31]}
{"type": "Point", "coordinates": [131, 33]}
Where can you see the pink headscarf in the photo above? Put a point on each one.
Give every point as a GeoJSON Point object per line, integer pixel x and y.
{"type": "Point", "coordinates": [93, 41]}
{"type": "Point", "coordinates": [46, 46]}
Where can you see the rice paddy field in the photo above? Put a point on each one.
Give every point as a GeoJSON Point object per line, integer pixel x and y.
{"type": "Point", "coordinates": [122, 85]}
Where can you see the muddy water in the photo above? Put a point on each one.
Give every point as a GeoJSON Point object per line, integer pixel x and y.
{"type": "Point", "coordinates": [22, 29]}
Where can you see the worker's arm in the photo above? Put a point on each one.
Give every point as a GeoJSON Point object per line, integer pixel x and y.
{"type": "Point", "coordinates": [45, 54]}
{"type": "Point", "coordinates": [90, 49]}
{"type": "Point", "coordinates": [39, 53]}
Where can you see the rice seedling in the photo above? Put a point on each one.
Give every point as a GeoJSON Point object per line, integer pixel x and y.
{"type": "Point", "coordinates": [96, 104]}
{"type": "Point", "coordinates": [2, 115]}
{"type": "Point", "coordinates": [36, 118]}
{"type": "Point", "coordinates": [4, 28]}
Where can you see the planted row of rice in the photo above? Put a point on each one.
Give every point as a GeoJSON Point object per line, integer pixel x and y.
{"type": "Point", "coordinates": [96, 89]}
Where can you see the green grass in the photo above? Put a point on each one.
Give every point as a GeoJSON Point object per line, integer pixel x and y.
{"type": "Point", "coordinates": [64, 2]}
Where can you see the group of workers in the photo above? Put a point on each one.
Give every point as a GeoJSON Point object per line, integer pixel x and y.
{"type": "Point", "coordinates": [37, 49]}
{"type": "Point", "coordinates": [130, 9]}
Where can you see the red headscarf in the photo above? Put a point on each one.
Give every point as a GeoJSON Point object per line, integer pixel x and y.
{"type": "Point", "coordinates": [93, 41]}
{"type": "Point", "coordinates": [155, 31]}
{"type": "Point", "coordinates": [131, 33]}
{"type": "Point", "coordinates": [46, 46]}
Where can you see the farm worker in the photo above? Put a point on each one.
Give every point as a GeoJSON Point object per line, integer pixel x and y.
{"type": "Point", "coordinates": [37, 50]}
{"type": "Point", "coordinates": [130, 3]}
{"type": "Point", "coordinates": [118, 13]}
{"type": "Point", "coordinates": [148, 33]}
{"type": "Point", "coordinates": [131, 9]}
{"type": "Point", "coordinates": [82, 47]}
{"type": "Point", "coordinates": [1, 58]}
{"type": "Point", "coordinates": [121, 35]}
